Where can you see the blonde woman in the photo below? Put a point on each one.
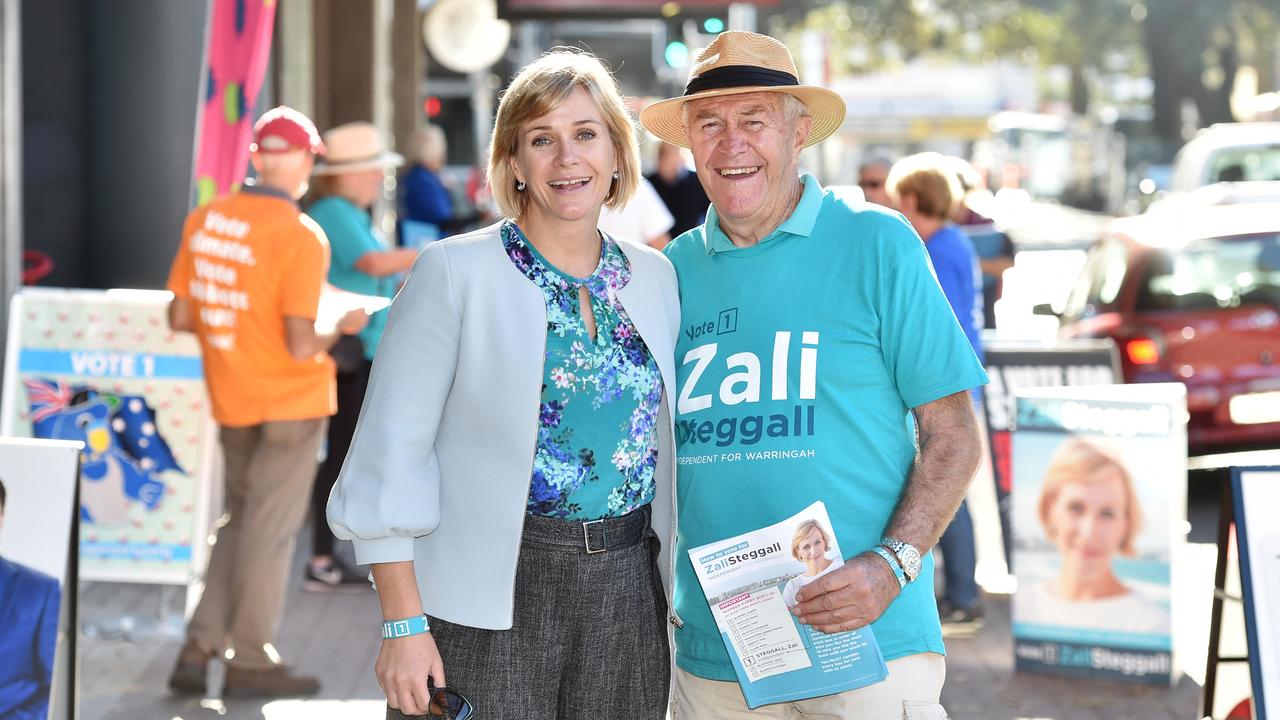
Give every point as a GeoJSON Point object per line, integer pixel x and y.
{"type": "Point", "coordinates": [810, 545]}
{"type": "Point", "coordinates": [515, 445]}
{"type": "Point", "coordinates": [1089, 510]}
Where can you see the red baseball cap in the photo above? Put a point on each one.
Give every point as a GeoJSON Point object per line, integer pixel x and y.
{"type": "Point", "coordinates": [283, 129]}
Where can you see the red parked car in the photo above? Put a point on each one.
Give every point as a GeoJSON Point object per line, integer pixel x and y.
{"type": "Point", "coordinates": [1192, 294]}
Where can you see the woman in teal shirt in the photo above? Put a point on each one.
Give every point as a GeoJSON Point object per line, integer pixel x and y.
{"type": "Point", "coordinates": [345, 186]}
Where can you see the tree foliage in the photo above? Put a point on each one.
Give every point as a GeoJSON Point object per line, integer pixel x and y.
{"type": "Point", "coordinates": [1191, 49]}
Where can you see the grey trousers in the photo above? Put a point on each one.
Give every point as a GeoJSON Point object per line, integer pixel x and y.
{"type": "Point", "coordinates": [269, 471]}
{"type": "Point", "coordinates": [589, 635]}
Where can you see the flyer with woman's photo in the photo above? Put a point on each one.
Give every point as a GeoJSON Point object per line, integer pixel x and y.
{"type": "Point", "coordinates": [751, 582]}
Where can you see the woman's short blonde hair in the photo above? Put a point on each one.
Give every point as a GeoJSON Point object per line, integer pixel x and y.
{"type": "Point", "coordinates": [537, 90]}
{"type": "Point", "coordinates": [930, 178]}
{"type": "Point", "coordinates": [802, 532]}
{"type": "Point", "coordinates": [1077, 461]}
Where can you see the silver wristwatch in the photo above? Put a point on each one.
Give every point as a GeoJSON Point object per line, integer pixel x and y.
{"type": "Point", "coordinates": [908, 556]}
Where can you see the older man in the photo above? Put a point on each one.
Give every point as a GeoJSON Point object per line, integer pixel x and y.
{"type": "Point", "coordinates": [247, 281]}
{"type": "Point", "coordinates": [873, 177]}
{"type": "Point", "coordinates": [819, 325]}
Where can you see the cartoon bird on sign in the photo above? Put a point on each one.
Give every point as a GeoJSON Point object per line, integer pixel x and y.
{"type": "Point", "coordinates": [123, 453]}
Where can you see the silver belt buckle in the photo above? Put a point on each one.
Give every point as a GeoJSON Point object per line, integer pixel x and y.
{"type": "Point", "coordinates": [586, 535]}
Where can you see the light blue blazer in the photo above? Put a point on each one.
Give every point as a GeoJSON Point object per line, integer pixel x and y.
{"type": "Point", "coordinates": [439, 468]}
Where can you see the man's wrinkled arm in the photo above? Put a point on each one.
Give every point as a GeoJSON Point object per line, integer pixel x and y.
{"type": "Point", "coordinates": [950, 452]}
{"type": "Point", "coordinates": [858, 592]}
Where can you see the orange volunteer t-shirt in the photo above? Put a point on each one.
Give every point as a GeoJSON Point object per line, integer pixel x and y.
{"type": "Point", "coordinates": [246, 261]}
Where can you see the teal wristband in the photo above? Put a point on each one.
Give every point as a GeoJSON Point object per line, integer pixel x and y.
{"type": "Point", "coordinates": [893, 564]}
{"type": "Point", "coordinates": [393, 629]}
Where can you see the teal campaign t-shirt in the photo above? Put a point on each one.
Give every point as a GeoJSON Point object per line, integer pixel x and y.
{"type": "Point", "coordinates": [351, 235]}
{"type": "Point", "coordinates": [798, 360]}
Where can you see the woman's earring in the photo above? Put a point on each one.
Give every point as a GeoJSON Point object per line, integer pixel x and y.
{"type": "Point", "coordinates": [615, 174]}
{"type": "Point", "coordinates": [519, 186]}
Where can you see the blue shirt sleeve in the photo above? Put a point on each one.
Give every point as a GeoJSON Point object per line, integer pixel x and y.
{"type": "Point", "coordinates": [956, 264]}
{"type": "Point", "coordinates": [955, 274]}
{"type": "Point", "coordinates": [925, 350]}
{"type": "Point", "coordinates": [425, 197]}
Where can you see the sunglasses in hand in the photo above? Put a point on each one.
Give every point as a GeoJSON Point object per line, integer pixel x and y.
{"type": "Point", "coordinates": [448, 704]}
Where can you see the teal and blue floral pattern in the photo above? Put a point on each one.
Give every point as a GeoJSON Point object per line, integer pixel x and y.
{"type": "Point", "coordinates": [597, 444]}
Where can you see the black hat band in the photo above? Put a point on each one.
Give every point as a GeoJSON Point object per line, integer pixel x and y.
{"type": "Point", "coordinates": [729, 76]}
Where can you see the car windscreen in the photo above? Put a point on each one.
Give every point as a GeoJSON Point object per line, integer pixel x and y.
{"type": "Point", "coordinates": [1217, 273]}
{"type": "Point", "coordinates": [1245, 164]}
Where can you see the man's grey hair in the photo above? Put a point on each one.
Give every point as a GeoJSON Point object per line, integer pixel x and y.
{"type": "Point", "coordinates": [793, 108]}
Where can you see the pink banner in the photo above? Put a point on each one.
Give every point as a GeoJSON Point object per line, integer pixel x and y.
{"type": "Point", "coordinates": [239, 46]}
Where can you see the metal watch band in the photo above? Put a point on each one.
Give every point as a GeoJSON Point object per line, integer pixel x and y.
{"type": "Point", "coordinates": [908, 556]}
{"type": "Point", "coordinates": [893, 564]}
{"type": "Point", "coordinates": [393, 629]}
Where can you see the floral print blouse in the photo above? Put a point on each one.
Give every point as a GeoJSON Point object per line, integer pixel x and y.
{"type": "Point", "coordinates": [597, 443]}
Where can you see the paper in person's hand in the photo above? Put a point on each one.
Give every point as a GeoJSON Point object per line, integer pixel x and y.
{"type": "Point", "coordinates": [335, 303]}
{"type": "Point", "coordinates": [751, 581]}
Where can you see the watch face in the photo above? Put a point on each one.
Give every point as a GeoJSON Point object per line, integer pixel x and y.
{"type": "Point", "coordinates": [910, 558]}
{"type": "Point", "coordinates": [907, 555]}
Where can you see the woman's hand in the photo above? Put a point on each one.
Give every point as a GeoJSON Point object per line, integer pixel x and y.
{"type": "Point", "coordinates": [405, 667]}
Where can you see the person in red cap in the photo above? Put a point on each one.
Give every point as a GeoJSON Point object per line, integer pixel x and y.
{"type": "Point", "coordinates": [247, 281]}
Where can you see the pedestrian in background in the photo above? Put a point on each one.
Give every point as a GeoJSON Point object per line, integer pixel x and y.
{"type": "Point", "coordinates": [872, 176]}
{"type": "Point", "coordinates": [644, 219]}
{"type": "Point", "coordinates": [426, 207]}
{"type": "Point", "coordinates": [515, 445]}
{"type": "Point", "coordinates": [343, 190]}
{"type": "Point", "coordinates": [925, 189]}
{"type": "Point", "coordinates": [994, 247]}
{"type": "Point", "coordinates": [679, 188]}
{"type": "Point", "coordinates": [247, 281]}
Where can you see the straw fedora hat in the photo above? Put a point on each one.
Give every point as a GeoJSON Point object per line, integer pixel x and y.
{"type": "Point", "coordinates": [353, 147]}
{"type": "Point", "coordinates": [743, 62]}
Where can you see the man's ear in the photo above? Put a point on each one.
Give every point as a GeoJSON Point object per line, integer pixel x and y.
{"type": "Point", "coordinates": [804, 124]}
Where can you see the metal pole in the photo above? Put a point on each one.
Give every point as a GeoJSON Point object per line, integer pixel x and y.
{"type": "Point", "coordinates": [202, 86]}
{"type": "Point", "coordinates": [380, 80]}
{"type": "Point", "coordinates": [742, 16]}
{"type": "Point", "coordinates": [10, 159]}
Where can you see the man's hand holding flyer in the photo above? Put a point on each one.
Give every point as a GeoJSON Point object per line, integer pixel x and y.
{"type": "Point", "coordinates": [751, 581]}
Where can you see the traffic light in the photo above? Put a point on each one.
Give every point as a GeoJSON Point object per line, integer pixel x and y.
{"type": "Point", "coordinates": [677, 54]}
{"type": "Point", "coordinates": [713, 26]}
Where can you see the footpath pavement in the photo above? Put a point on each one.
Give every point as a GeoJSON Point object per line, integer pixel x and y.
{"type": "Point", "coordinates": [981, 683]}
{"type": "Point", "coordinates": [130, 636]}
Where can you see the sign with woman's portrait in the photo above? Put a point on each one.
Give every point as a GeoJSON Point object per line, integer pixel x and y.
{"type": "Point", "coordinates": [1099, 501]}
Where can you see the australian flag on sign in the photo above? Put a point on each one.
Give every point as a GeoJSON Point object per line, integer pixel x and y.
{"type": "Point", "coordinates": [123, 454]}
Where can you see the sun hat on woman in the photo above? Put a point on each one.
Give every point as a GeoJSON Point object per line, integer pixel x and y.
{"type": "Point", "coordinates": [353, 147]}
